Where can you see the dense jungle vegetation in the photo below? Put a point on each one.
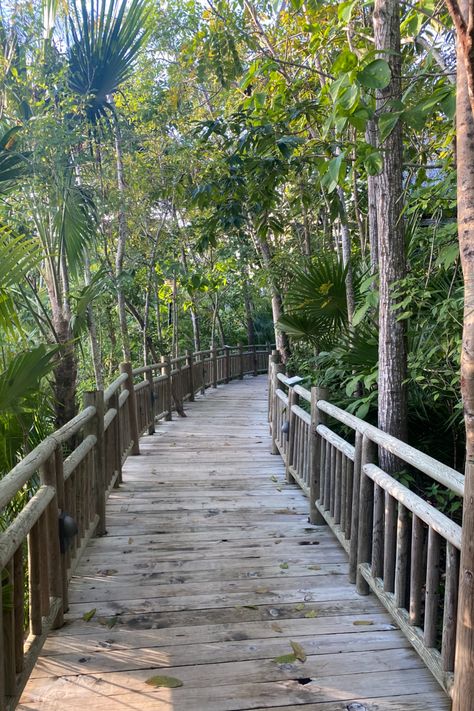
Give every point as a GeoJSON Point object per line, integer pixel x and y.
{"type": "Point", "coordinates": [180, 173]}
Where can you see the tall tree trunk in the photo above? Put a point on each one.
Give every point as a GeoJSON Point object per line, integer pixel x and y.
{"type": "Point", "coordinates": [346, 257]}
{"type": "Point", "coordinates": [249, 314]}
{"type": "Point", "coordinates": [194, 310]}
{"type": "Point", "coordinates": [92, 328]}
{"type": "Point", "coordinates": [392, 404]}
{"type": "Point", "coordinates": [281, 339]}
{"type": "Point", "coordinates": [463, 698]}
{"type": "Point", "coordinates": [371, 137]}
{"type": "Point", "coordinates": [122, 240]}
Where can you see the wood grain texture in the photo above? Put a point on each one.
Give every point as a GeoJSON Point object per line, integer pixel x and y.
{"type": "Point", "coordinates": [209, 571]}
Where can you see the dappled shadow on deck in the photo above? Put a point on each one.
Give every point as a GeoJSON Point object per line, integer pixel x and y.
{"type": "Point", "coordinates": [210, 574]}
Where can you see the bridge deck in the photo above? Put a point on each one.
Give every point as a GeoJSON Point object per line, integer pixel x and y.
{"type": "Point", "coordinates": [208, 573]}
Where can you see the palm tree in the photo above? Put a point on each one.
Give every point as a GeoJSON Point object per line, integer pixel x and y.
{"type": "Point", "coordinates": [106, 40]}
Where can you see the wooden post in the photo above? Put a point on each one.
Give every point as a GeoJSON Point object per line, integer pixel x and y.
{"type": "Point", "coordinates": [149, 377]}
{"type": "Point", "coordinates": [355, 508]}
{"type": "Point", "coordinates": [366, 503]}
{"type": "Point", "coordinates": [166, 370]}
{"type": "Point", "coordinates": [214, 365]}
{"type": "Point", "coordinates": [274, 358]}
{"type": "Point", "coordinates": [277, 368]}
{"type": "Point", "coordinates": [132, 407]}
{"type": "Point", "coordinates": [317, 418]}
{"type": "Point", "coordinates": [241, 361]}
{"type": "Point", "coordinates": [293, 399]}
{"type": "Point", "coordinates": [227, 364]}
{"type": "Point", "coordinates": [189, 363]}
{"type": "Point", "coordinates": [117, 441]}
{"type": "Point", "coordinates": [61, 494]}
{"type": "Point", "coordinates": [96, 427]}
{"type": "Point", "coordinates": [255, 361]}
{"type": "Point", "coordinates": [48, 477]}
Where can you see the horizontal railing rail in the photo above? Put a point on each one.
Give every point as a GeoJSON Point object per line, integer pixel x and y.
{"type": "Point", "coordinates": [68, 477]}
{"type": "Point", "coordinates": [399, 545]}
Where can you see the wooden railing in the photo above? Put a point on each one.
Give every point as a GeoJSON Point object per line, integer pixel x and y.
{"type": "Point", "coordinates": [399, 545]}
{"type": "Point", "coordinates": [69, 476]}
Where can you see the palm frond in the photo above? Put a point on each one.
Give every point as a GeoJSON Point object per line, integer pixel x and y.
{"type": "Point", "coordinates": [105, 45]}
{"type": "Point", "coordinates": [20, 381]}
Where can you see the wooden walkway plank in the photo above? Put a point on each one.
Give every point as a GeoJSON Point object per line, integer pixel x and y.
{"type": "Point", "coordinates": [208, 573]}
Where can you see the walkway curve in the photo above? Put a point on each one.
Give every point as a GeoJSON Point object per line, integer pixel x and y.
{"type": "Point", "coordinates": [209, 574]}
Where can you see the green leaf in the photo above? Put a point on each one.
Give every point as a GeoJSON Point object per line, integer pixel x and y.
{"type": "Point", "coordinates": [168, 682]}
{"type": "Point", "coordinates": [298, 651]}
{"type": "Point", "coordinates": [311, 614]}
{"type": "Point", "coordinates": [387, 123]}
{"type": "Point", "coordinates": [373, 163]}
{"type": "Point", "coordinates": [345, 62]}
{"type": "Point", "coordinates": [285, 659]}
{"type": "Point", "coordinates": [87, 616]}
{"type": "Point", "coordinates": [344, 10]}
{"type": "Point", "coordinates": [284, 566]}
{"type": "Point", "coordinates": [375, 75]}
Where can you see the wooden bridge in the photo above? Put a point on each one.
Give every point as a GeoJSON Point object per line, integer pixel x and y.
{"type": "Point", "coordinates": [213, 590]}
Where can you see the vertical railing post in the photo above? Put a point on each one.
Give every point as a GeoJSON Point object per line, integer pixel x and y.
{"type": "Point", "coordinates": [227, 364]}
{"type": "Point", "coordinates": [241, 361]}
{"type": "Point", "coordinates": [255, 361]}
{"type": "Point", "coordinates": [117, 440]}
{"type": "Point", "coordinates": [355, 508]}
{"type": "Point", "coordinates": [214, 365]}
{"type": "Point", "coordinates": [273, 358]}
{"type": "Point", "coordinates": [293, 399]}
{"type": "Point", "coordinates": [132, 409]}
{"type": "Point", "coordinates": [366, 513]}
{"type": "Point", "coordinates": [189, 363]}
{"type": "Point", "coordinates": [277, 368]}
{"type": "Point", "coordinates": [166, 370]}
{"type": "Point", "coordinates": [48, 477]}
{"type": "Point", "coordinates": [149, 377]}
{"type": "Point", "coordinates": [61, 494]}
{"type": "Point", "coordinates": [317, 418]}
{"type": "Point", "coordinates": [96, 428]}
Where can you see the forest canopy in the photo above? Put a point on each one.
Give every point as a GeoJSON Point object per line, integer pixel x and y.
{"type": "Point", "coordinates": [180, 174]}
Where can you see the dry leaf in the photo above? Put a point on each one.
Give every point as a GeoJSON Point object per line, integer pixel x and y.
{"type": "Point", "coordinates": [250, 607]}
{"type": "Point", "coordinates": [311, 614]}
{"type": "Point", "coordinates": [278, 488]}
{"type": "Point", "coordinates": [285, 659]}
{"type": "Point", "coordinates": [170, 682]}
{"type": "Point", "coordinates": [87, 616]}
{"type": "Point", "coordinates": [314, 567]}
{"type": "Point", "coordinates": [363, 622]}
{"type": "Point", "coordinates": [274, 478]}
{"type": "Point", "coordinates": [262, 591]}
{"type": "Point", "coordinates": [276, 627]}
{"type": "Point", "coordinates": [130, 541]}
{"type": "Point", "coordinates": [299, 607]}
{"type": "Point", "coordinates": [298, 651]}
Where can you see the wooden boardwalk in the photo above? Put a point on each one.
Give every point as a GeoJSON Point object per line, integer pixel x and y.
{"type": "Point", "coordinates": [208, 574]}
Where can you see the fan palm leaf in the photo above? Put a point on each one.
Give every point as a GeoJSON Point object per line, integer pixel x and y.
{"type": "Point", "coordinates": [106, 39]}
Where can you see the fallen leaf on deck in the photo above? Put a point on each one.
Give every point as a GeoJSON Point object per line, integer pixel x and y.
{"type": "Point", "coordinates": [170, 682]}
{"type": "Point", "coordinates": [130, 541]}
{"type": "Point", "coordinates": [298, 651]}
{"type": "Point", "coordinates": [278, 488]}
{"type": "Point", "coordinates": [362, 622]}
{"type": "Point", "coordinates": [284, 566]}
{"type": "Point", "coordinates": [87, 616]}
{"type": "Point", "coordinates": [299, 606]}
{"type": "Point", "coordinates": [285, 659]}
{"type": "Point", "coordinates": [314, 567]}
{"type": "Point", "coordinates": [262, 591]}
{"type": "Point", "coordinates": [276, 627]}
{"type": "Point", "coordinates": [250, 607]}
{"type": "Point", "coordinates": [311, 614]}
{"type": "Point", "coordinates": [274, 478]}
{"type": "Point", "coordinates": [109, 571]}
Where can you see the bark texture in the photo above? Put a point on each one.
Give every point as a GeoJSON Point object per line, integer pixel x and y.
{"type": "Point", "coordinates": [392, 405]}
{"type": "Point", "coordinates": [463, 699]}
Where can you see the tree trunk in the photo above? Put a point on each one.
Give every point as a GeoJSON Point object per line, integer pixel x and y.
{"type": "Point", "coordinates": [463, 699]}
{"type": "Point", "coordinates": [92, 328]}
{"type": "Point", "coordinates": [371, 137]}
{"type": "Point", "coordinates": [281, 339]}
{"type": "Point", "coordinates": [122, 241]}
{"type": "Point", "coordinates": [346, 257]}
{"type": "Point", "coordinates": [392, 404]}
{"type": "Point", "coordinates": [249, 314]}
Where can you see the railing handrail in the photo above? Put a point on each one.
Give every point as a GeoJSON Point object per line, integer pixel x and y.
{"type": "Point", "coordinates": [399, 544]}
{"type": "Point", "coordinates": [76, 480]}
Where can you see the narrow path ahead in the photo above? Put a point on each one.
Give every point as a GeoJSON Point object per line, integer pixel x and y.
{"type": "Point", "coordinates": [209, 572]}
